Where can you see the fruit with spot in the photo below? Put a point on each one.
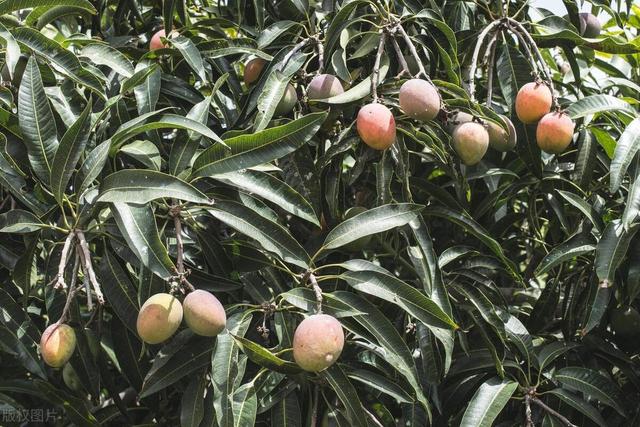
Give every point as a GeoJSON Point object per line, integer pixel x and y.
{"type": "Point", "coordinates": [159, 318]}
{"type": "Point", "coordinates": [419, 99]}
{"type": "Point", "coordinates": [470, 140]}
{"type": "Point", "coordinates": [555, 132]}
{"type": "Point", "coordinates": [533, 102]}
{"type": "Point", "coordinates": [252, 70]}
{"type": "Point", "coordinates": [318, 342]}
{"type": "Point", "coordinates": [625, 322]}
{"type": "Point", "coordinates": [204, 314]}
{"type": "Point", "coordinates": [287, 102]}
{"type": "Point", "coordinates": [363, 242]}
{"type": "Point", "coordinates": [376, 126]}
{"type": "Point", "coordinates": [502, 137]}
{"type": "Point", "coordinates": [590, 27]}
{"type": "Point", "coordinates": [57, 344]}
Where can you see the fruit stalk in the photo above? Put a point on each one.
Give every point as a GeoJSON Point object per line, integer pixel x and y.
{"type": "Point", "coordinates": [490, 59]}
{"type": "Point", "coordinates": [476, 53]}
{"type": "Point", "coordinates": [543, 65]}
{"type": "Point", "coordinates": [60, 284]}
{"type": "Point", "coordinates": [177, 223]}
{"type": "Point", "coordinates": [403, 62]}
{"type": "Point", "coordinates": [85, 257]}
{"type": "Point", "coordinates": [414, 52]}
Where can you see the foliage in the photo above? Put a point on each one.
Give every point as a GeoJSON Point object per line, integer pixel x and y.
{"type": "Point", "coordinates": [484, 296]}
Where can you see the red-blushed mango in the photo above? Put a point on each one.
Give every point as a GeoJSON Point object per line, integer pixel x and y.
{"type": "Point", "coordinates": [376, 126]}
{"type": "Point", "coordinates": [156, 40]}
{"type": "Point", "coordinates": [533, 102]}
{"type": "Point", "coordinates": [502, 139]}
{"type": "Point", "coordinates": [590, 27]}
{"type": "Point", "coordinates": [204, 314]}
{"type": "Point", "coordinates": [287, 102]}
{"type": "Point", "coordinates": [252, 70]}
{"type": "Point", "coordinates": [57, 344]}
{"type": "Point", "coordinates": [419, 99]}
{"type": "Point", "coordinates": [625, 322]}
{"type": "Point", "coordinates": [470, 140]}
{"type": "Point", "coordinates": [70, 378]}
{"type": "Point", "coordinates": [324, 86]}
{"type": "Point", "coordinates": [159, 318]}
{"type": "Point", "coordinates": [317, 342]}
{"type": "Point", "coordinates": [555, 132]}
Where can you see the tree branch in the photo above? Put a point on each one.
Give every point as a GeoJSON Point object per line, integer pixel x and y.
{"type": "Point", "coordinates": [556, 414]}
{"type": "Point", "coordinates": [403, 62]}
{"type": "Point", "coordinates": [414, 52]}
{"type": "Point", "coordinates": [375, 77]}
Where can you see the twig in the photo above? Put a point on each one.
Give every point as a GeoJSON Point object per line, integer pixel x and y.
{"type": "Point", "coordinates": [375, 77]}
{"type": "Point", "coordinates": [403, 62]}
{"type": "Point", "coordinates": [310, 279]}
{"type": "Point", "coordinates": [414, 52]}
{"type": "Point", "coordinates": [85, 256]}
{"type": "Point", "coordinates": [556, 414]}
{"type": "Point", "coordinates": [64, 257]}
{"type": "Point", "coordinates": [476, 53]}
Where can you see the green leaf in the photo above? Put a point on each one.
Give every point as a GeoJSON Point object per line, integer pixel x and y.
{"type": "Point", "coordinates": [626, 149]}
{"type": "Point", "coordinates": [380, 383]}
{"type": "Point", "coordinates": [372, 221]}
{"type": "Point", "coordinates": [487, 402]}
{"type": "Point", "coordinates": [579, 405]}
{"type": "Point", "coordinates": [272, 189]}
{"type": "Point", "coordinates": [347, 394]}
{"type": "Point", "coordinates": [551, 352]}
{"type": "Point", "coordinates": [595, 104]}
{"type": "Point", "coordinates": [69, 152]}
{"type": "Point", "coordinates": [255, 149]}
{"type": "Point", "coordinates": [119, 290]}
{"type": "Point", "coordinates": [192, 403]}
{"type": "Point", "coordinates": [570, 249]}
{"type": "Point", "coordinates": [226, 369]}
{"type": "Point", "coordinates": [166, 121]}
{"type": "Point", "coordinates": [92, 166]}
{"type": "Point", "coordinates": [263, 357]}
{"type": "Point", "coordinates": [271, 236]}
{"type": "Point", "coordinates": [140, 186]}
{"type": "Point", "coordinates": [145, 152]}
{"type": "Point", "coordinates": [12, 52]}
{"type": "Point", "coordinates": [191, 55]}
{"type": "Point", "coordinates": [52, 51]}
{"type": "Point", "coordinates": [127, 349]}
{"type": "Point", "coordinates": [138, 227]}
{"type": "Point", "coordinates": [244, 405]}
{"type": "Point", "coordinates": [139, 77]}
{"type": "Point", "coordinates": [24, 335]}
{"type": "Point", "coordinates": [192, 356]}
{"type": "Point", "coordinates": [37, 123]}
{"type": "Point", "coordinates": [183, 150]}
{"type": "Point", "coordinates": [591, 383]}
{"type": "Point", "coordinates": [395, 291]}
{"type": "Point", "coordinates": [8, 6]}
{"type": "Point", "coordinates": [611, 250]}
{"type": "Point", "coordinates": [19, 221]}
{"type": "Point", "coordinates": [76, 409]}
{"type": "Point", "coordinates": [103, 54]}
